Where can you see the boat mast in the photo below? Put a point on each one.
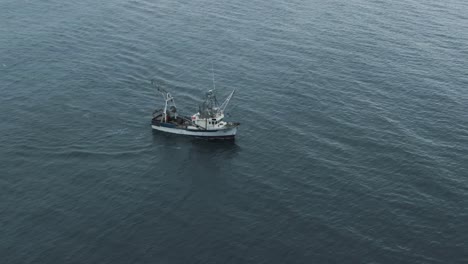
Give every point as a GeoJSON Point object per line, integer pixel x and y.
{"type": "Point", "coordinates": [212, 74]}
{"type": "Point", "coordinates": [167, 98]}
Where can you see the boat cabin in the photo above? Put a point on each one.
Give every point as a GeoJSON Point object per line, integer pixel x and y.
{"type": "Point", "coordinates": [209, 123]}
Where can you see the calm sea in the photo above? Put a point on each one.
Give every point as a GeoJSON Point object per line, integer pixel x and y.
{"type": "Point", "coordinates": [353, 145]}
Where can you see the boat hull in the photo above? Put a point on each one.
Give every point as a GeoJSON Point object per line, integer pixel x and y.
{"type": "Point", "coordinates": [228, 133]}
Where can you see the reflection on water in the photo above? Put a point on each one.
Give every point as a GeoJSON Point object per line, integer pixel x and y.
{"type": "Point", "coordinates": [225, 148]}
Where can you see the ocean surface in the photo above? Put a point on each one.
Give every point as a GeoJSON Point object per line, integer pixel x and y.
{"type": "Point", "coordinates": [353, 144]}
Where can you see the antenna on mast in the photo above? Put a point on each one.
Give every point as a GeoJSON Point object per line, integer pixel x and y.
{"type": "Point", "coordinates": [212, 73]}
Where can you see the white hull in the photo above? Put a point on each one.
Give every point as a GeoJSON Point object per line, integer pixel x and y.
{"type": "Point", "coordinates": [222, 133]}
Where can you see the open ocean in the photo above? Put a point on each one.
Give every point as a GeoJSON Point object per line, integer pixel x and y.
{"type": "Point", "coordinates": [353, 144]}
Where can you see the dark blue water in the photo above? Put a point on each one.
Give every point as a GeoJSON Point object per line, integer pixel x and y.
{"type": "Point", "coordinates": [353, 146]}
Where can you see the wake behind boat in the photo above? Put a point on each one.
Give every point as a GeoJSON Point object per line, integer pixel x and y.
{"type": "Point", "coordinates": [207, 123]}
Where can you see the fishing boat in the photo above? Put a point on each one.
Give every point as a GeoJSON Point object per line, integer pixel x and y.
{"type": "Point", "coordinates": [207, 123]}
